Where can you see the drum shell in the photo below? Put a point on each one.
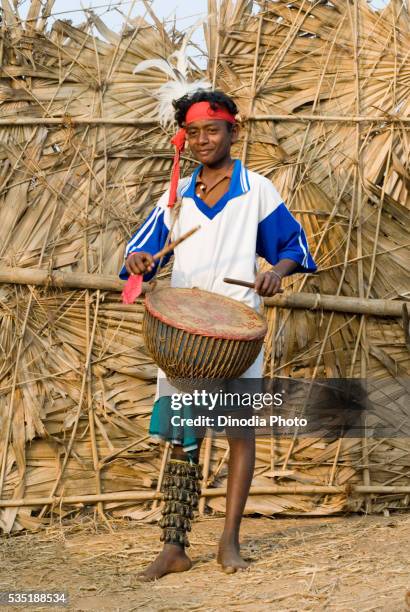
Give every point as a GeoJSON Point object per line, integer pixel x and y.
{"type": "Point", "coordinates": [181, 354]}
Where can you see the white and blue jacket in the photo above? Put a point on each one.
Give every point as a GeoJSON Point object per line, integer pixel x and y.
{"type": "Point", "coordinates": [250, 220]}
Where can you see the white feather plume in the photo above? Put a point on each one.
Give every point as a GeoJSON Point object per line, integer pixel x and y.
{"type": "Point", "coordinates": [178, 85]}
{"type": "Point", "coordinates": [172, 91]}
{"type": "Point", "coordinates": [161, 64]}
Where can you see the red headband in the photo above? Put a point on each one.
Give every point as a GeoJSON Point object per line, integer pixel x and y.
{"type": "Point", "coordinates": [199, 111]}
{"type": "Point", "coordinates": [202, 110]}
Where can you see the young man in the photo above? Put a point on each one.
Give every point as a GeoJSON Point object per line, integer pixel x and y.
{"type": "Point", "coordinates": [241, 216]}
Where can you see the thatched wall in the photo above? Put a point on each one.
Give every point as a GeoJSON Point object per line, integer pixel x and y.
{"type": "Point", "coordinates": [76, 383]}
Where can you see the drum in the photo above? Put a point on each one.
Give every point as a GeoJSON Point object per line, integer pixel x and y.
{"type": "Point", "coordinates": [196, 334]}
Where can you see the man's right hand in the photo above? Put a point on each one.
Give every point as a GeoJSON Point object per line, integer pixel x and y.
{"type": "Point", "coordinates": [139, 263]}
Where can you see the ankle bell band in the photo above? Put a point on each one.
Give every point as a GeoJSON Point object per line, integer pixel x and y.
{"type": "Point", "coordinates": [181, 488]}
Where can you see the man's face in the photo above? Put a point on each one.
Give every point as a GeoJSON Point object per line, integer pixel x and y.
{"type": "Point", "coordinates": [210, 140]}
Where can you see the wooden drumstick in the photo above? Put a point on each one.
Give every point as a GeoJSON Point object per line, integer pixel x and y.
{"type": "Point", "coordinates": [171, 246]}
{"type": "Point", "coordinates": [242, 283]}
{"type": "Point", "coordinates": [133, 286]}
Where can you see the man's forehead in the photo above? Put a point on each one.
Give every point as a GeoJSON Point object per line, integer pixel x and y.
{"type": "Point", "coordinates": [200, 123]}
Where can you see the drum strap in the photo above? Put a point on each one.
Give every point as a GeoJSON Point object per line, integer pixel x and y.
{"type": "Point", "coordinates": [181, 488]}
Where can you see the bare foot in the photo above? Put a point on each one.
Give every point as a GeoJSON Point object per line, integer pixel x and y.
{"type": "Point", "coordinates": [229, 556]}
{"type": "Point", "coordinates": [171, 559]}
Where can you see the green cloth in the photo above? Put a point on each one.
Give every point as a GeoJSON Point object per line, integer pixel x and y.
{"type": "Point", "coordinates": [161, 427]}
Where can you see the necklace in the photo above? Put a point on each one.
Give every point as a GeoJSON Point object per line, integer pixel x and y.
{"type": "Point", "coordinates": [204, 187]}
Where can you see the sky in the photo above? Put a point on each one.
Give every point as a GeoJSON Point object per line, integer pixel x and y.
{"type": "Point", "coordinates": [186, 13]}
{"type": "Point", "coordinates": [185, 10]}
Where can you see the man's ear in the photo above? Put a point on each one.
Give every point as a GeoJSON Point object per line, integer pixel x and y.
{"type": "Point", "coordinates": [234, 133]}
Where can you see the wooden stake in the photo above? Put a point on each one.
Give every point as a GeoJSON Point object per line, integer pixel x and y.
{"type": "Point", "coordinates": [205, 470]}
{"type": "Point", "coordinates": [164, 462]}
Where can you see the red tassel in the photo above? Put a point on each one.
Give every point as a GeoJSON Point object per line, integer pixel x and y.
{"type": "Point", "coordinates": [179, 142]}
{"type": "Point", "coordinates": [132, 289]}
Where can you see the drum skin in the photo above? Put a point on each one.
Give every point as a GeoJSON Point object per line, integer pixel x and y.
{"type": "Point", "coordinates": [196, 334]}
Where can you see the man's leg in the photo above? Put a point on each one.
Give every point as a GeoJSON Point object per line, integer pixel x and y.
{"type": "Point", "coordinates": [240, 473]}
{"type": "Point", "coordinates": [173, 557]}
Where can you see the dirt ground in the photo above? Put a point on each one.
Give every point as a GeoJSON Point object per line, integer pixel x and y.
{"type": "Point", "coordinates": [354, 563]}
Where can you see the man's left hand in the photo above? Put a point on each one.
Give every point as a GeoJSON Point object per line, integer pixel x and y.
{"type": "Point", "coordinates": [268, 284]}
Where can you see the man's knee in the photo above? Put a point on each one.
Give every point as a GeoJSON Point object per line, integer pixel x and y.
{"type": "Point", "coordinates": [178, 453]}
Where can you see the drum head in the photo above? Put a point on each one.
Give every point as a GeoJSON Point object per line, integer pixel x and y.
{"type": "Point", "coordinates": [206, 314]}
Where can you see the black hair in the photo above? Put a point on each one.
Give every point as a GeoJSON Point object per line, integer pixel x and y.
{"type": "Point", "coordinates": [215, 98]}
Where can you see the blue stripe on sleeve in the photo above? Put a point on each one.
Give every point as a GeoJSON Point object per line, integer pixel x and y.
{"type": "Point", "coordinates": [280, 236]}
{"type": "Point", "coordinates": [150, 238]}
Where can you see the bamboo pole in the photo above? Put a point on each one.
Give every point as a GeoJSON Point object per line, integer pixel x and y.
{"type": "Point", "coordinates": [108, 282]}
{"type": "Point", "coordinates": [89, 394]}
{"type": "Point", "coordinates": [123, 496]}
{"type": "Point", "coordinates": [312, 301]}
{"type": "Point", "coordinates": [68, 121]}
{"type": "Point", "coordinates": [253, 83]}
{"type": "Point", "coordinates": [388, 118]}
{"type": "Point", "coordinates": [146, 121]}
{"type": "Point", "coordinates": [76, 280]}
{"type": "Point", "coordinates": [216, 57]}
{"type": "Point", "coordinates": [359, 204]}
